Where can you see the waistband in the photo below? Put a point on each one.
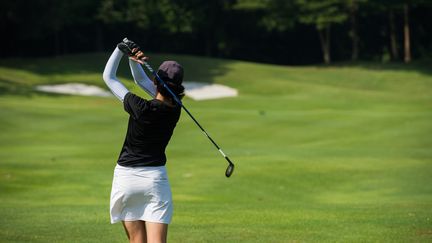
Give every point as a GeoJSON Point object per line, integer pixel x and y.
{"type": "Point", "coordinates": [147, 171]}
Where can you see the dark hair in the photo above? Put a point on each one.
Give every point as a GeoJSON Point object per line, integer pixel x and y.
{"type": "Point", "coordinates": [177, 89]}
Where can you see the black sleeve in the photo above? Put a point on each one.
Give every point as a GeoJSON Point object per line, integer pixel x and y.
{"type": "Point", "coordinates": [134, 105]}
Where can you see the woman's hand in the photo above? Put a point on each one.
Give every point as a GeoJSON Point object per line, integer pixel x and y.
{"type": "Point", "coordinates": [138, 56]}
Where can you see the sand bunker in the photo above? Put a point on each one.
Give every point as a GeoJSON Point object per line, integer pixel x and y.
{"type": "Point", "coordinates": [75, 89]}
{"type": "Point", "coordinates": [194, 90]}
{"type": "Point", "coordinates": [205, 91]}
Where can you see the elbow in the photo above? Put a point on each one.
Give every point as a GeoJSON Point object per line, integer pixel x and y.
{"type": "Point", "coordinates": [106, 76]}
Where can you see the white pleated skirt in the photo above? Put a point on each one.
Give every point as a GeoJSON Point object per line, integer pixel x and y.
{"type": "Point", "coordinates": [141, 193]}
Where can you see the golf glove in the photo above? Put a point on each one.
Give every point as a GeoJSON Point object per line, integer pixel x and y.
{"type": "Point", "coordinates": [126, 46]}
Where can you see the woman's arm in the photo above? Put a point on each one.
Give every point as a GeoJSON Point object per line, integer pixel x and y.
{"type": "Point", "coordinates": [141, 78]}
{"type": "Point", "coordinates": [110, 77]}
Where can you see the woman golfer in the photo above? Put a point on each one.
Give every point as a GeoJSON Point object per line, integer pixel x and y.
{"type": "Point", "coordinates": [141, 195]}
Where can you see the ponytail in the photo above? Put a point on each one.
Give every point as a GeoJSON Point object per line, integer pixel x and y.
{"type": "Point", "coordinates": [177, 89]}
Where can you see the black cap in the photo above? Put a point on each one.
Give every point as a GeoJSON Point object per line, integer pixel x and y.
{"type": "Point", "coordinates": [171, 71]}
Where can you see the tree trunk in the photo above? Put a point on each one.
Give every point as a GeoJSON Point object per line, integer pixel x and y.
{"type": "Point", "coordinates": [98, 38]}
{"type": "Point", "coordinates": [57, 51]}
{"type": "Point", "coordinates": [407, 44]}
{"type": "Point", "coordinates": [208, 45]}
{"type": "Point", "coordinates": [354, 32]}
{"type": "Point", "coordinates": [393, 39]}
{"type": "Point", "coordinates": [324, 35]}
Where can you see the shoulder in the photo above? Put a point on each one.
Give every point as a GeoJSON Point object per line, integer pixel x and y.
{"type": "Point", "coordinates": [135, 105]}
{"type": "Point", "coordinates": [131, 97]}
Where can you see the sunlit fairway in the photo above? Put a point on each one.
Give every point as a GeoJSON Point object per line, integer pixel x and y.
{"type": "Point", "coordinates": [323, 154]}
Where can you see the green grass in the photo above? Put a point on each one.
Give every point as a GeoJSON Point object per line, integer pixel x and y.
{"type": "Point", "coordinates": [323, 154]}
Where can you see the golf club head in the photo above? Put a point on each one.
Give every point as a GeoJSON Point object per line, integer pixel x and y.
{"type": "Point", "coordinates": [229, 170]}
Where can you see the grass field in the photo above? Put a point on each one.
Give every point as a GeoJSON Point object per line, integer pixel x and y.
{"type": "Point", "coordinates": [323, 154]}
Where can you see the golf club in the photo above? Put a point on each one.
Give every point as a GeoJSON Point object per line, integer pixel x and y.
{"type": "Point", "coordinates": [230, 167]}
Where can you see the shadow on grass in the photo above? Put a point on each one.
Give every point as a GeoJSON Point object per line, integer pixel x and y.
{"type": "Point", "coordinates": [88, 68]}
{"type": "Point", "coordinates": [419, 66]}
{"type": "Point", "coordinates": [10, 87]}
{"type": "Point", "coordinates": [196, 69]}
{"type": "Point", "coordinates": [19, 89]}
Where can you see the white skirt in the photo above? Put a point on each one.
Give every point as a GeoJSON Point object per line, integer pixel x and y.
{"type": "Point", "coordinates": [141, 193]}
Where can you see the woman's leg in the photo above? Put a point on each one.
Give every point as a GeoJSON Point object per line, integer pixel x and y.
{"type": "Point", "coordinates": [156, 232]}
{"type": "Point", "coordinates": [136, 231]}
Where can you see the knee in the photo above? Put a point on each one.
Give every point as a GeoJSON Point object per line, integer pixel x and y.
{"type": "Point", "coordinates": [137, 238]}
{"type": "Point", "coordinates": [135, 231]}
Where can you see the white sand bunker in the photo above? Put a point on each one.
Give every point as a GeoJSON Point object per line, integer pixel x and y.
{"type": "Point", "coordinates": [75, 89]}
{"type": "Point", "coordinates": [194, 90]}
{"type": "Point", "coordinates": [206, 91]}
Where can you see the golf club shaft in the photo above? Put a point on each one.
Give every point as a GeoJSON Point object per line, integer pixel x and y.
{"type": "Point", "coordinates": [187, 111]}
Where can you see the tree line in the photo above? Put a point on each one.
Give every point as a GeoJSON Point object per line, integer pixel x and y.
{"type": "Point", "coordinates": [275, 31]}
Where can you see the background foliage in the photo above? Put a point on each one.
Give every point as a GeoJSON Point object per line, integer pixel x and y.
{"type": "Point", "coordinates": [272, 31]}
